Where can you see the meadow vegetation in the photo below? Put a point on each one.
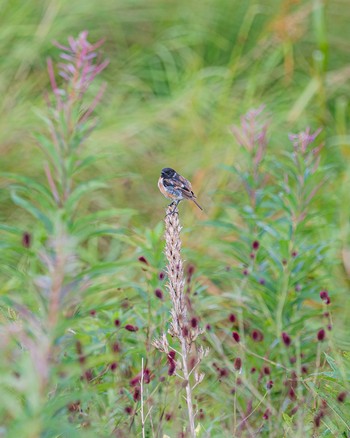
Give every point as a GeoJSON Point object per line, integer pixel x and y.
{"type": "Point", "coordinates": [120, 318]}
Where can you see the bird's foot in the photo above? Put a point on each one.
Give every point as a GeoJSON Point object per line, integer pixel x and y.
{"type": "Point", "coordinates": [175, 210]}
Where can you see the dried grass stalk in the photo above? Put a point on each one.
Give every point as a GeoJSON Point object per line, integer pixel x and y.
{"type": "Point", "coordinates": [180, 327]}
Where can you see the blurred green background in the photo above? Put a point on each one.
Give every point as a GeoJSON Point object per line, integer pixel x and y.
{"type": "Point", "coordinates": [180, 73]}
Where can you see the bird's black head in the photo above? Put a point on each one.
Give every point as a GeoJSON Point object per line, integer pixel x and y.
{"type": "Point", "coordinates": [167, 172]}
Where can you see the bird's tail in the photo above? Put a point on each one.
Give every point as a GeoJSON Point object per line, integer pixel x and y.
{"type": "Point", "coordinates": [194, 200]}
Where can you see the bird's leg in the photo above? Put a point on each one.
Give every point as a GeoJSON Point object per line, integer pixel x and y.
{"type": "Point", "coordinates": [175, 210]}
{"type": "Point", "coordinates": [175, 203]}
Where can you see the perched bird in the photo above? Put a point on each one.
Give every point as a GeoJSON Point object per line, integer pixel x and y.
{"type": "Point", "coordinates": [175, 187]}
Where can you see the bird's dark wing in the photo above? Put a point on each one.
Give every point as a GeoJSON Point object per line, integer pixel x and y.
{"type": "Point", "coordinates": [180, 187]}
{"type": "Point", "coordinates": [179, 183]}
{"type": "Point", "coordinates": [172, 187]}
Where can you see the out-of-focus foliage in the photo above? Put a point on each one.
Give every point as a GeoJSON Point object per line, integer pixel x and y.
{"type": "Point", "coordinates": [87, 222]}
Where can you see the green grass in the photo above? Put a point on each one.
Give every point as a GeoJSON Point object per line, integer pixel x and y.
{"type": "Point", "coordinates": [180, 75]}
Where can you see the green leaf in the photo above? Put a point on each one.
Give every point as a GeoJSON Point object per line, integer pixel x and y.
{"type": "Point", "coordinates": [28, 206]}
{"type": "Point", "coordinates": [10, 229]}
{"type": "Point", "coordinates": [222, 224]}
{"type": "Point", "coordinates": [90, 219]}
{"type": "Point", "coordinates": [107, 268]}
{"type": "Point", "coordinates": [287, 419]}
{"type": "Point", "coordinates": [30, 183]}
{"type": "Point", "coordinates": [48, 147]}
{"type": "Point", "coordinates": [81, 190]}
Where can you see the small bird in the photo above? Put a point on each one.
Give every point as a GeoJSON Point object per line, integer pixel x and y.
{"type": "Point", "coordinates": [175, 187]}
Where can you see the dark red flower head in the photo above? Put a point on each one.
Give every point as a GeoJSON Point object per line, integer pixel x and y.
{"type": "Point", "coordinates": [171, 355]}
{"type": "Point", "coordinates": [194, 322]}
{"type": "Point", "coordinates": [137, 393]}
{"type": "Point", "coordinates": [190, 270]}
{"type": "Point", "coordinates": [266, 371]}
{"type": "Point", "coordinates": [266, 414]}
{"type": "Point", "coordinates": [26, 239]}
{"type": "Point", "coordinates": [131, 328]}
{"type": "Point", "coordinates": [232, 317]}
{"type": "Point", "coordinates": [172, 368]}
{"type": "Point", "coordinates": [128, 410]}
{"type": "Point", "coordinates": [321, 335]}
{"type": "Point", "coordinates": [341, 397]}
{"type": "Point", "coordinates": [286, 339]}
{"type": "Point", "coordinates": [257, 335]}
{"type": "Point", "coordinates": [237, 364]}
{"type": "Point", "coordinates": [255, 245]}
{"type": "Point", "coordinates": [143, 259]}
{"type": "Point", "coordinates": [325, 297]}
{"type": "Point", "coordinates": [236, 336]}
{"type": "Point", "coordinates": [269, 384]}
{"type": "Point", "coordinates": [158, 293]}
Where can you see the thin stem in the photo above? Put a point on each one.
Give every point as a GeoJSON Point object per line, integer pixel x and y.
{"type": "Point", "coordinates": [188, 388]}
{"type": "Point", "coordinates": [256, 407]}
{"type": "Point", "coordinates": [235, 405]}
{"type": "Point", "coordinates": [142, 412]}
{"type": "Point", "coordinates": [318, 362]}
{"type": "Point", "coordinates": [57, 282]}
{"type": "Point", "coordinates": [281, 303]}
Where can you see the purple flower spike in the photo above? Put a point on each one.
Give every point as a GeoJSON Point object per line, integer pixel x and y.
{"type": "Point", "coordinates": [302, 140]}
{"type": "Point", "coordinates": [80, 64]}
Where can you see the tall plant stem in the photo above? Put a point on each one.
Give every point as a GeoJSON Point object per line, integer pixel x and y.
{"type": "Point", "coordinates": [176, 281]}
{"type": "Point", "coordinates": [188, 388]}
